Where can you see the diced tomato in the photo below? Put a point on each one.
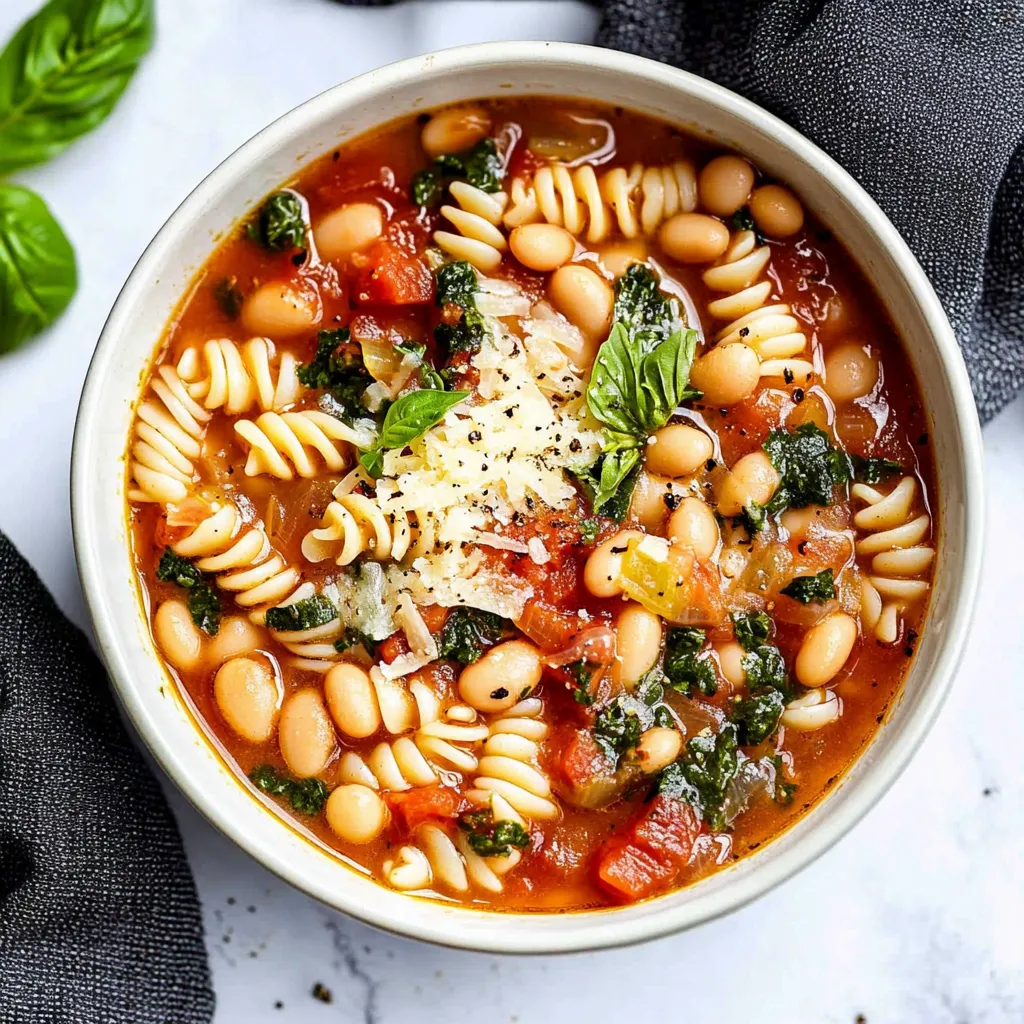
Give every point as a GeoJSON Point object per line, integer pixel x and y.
{"type": "Point", "coordinates": [547, 627]}
{"type": "Point", "coordinates": [394, 278]}
{"type": "Point", "coordinates": [582, 759]}
{"type": "Point", "coordinates": [647, 858]}
{"type": "Point", "coordinates": [425, 803]}
{"type": "Point", "coordinates": [393, 647]}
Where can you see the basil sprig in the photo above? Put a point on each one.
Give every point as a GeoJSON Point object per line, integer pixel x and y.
{"type": "Point", "coordinates": [407, 419]}
{"type": "Point", "coordinates": [640, 376]}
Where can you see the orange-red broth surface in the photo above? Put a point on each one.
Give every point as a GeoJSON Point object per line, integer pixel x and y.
{"type": "Point", "coordinates": [808, 270]}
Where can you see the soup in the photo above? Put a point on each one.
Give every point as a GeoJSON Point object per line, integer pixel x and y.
{"type": "Point", "coordinates": [532, 504]}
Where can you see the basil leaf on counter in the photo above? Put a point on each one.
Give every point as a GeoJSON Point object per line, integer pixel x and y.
{"type": "Point", "coordinates": [63, 72]}
{"type": "Point", "coordinates": [37, 267]}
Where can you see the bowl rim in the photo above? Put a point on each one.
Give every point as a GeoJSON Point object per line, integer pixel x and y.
{"type": "Point", "coordinates": [443, 927]}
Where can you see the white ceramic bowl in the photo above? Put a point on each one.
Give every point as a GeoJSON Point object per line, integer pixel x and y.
{"type": "Point", "coordinates": [157, 284]}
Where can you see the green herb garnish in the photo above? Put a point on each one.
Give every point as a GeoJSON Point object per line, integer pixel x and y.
{"type": "Point", "coordinates": [806, 589]}
{"type": "Point", "coordinates": [203, 603]}
{"type": "Point", "coordinates": [809, 466]}
{"type": "Point", "coordinates": [307, 796]}
{"type": "Point", "coordinates": [456, 285]}
{"type": "Point", "coordinates": [468, 632]}
{"type": "Point", "coordinates": [308, 613]}
{"type": "Point", "coordinates": [617, 729]}
{"type": "Point", "coordinates": [684, 671]}
{"type": "Point", "coordinates": [874, 471]}
{"type": "Point", "coordinates": [704, 774]}
{"type": "Point", "coordinates": [280, 224]}
{"type": "Point", "coordinates": [490, 838]}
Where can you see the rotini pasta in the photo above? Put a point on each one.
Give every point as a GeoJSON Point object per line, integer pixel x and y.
{"type": "Point", "coordinates": [772, 331]}
{"type": "Point", "coordinates": [285, 444]}
{"type": "Point", "coordinates": [478, 237]}
{"type": "Point", "coordinates": [224, 375]}
{"type": "Point", "coordinates": [169, 427]}
{"type": "Point", "coordinates": [635, 201]}
{"type": "Point", "coordinates": [242, 558]}
{"type": "Point", "coordinates": [893, 536]}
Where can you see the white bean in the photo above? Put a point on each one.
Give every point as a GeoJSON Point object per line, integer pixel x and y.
{"type": "Point", "coordinates": [351, 228]}
{"type": "Point", "coordinates": [278, 310]}
{"type": "Point", "coordinates": [502, 677]}
{"type": "Point", "coordinates": [455, 129]}
{"type": "Point", "coordinates": [236, 636]}
{"type": "Point", "coordinates": [850, 372]}
{"type": "Point", "coordinates": [727, 374]}
{"type": "Point", "coordinates": [356, 814]}
{"type": "Point", "coordinates": [601, 573]}
{"type": "Point", "coordinates": [247, 696]}
{"type": "Point", "coordinates": [583, 298]}
{"type": "Point", "coordinates": [825, 648]}
{"type": "Point", "coordinates": [352, 701]}
{"type": "Point", "coordinates": [637, 643]}
{"type": "Point", "coordinates": [542, 247]}
{"type": "Point", "coordinates": [305, 734]}
{"type": "Point", "coordinates": [730, 660]}
{"type": "Point", "coordinates": [177, 635]}
{"type": "Point", "coordinates": [693, 525]}
{"type": "Point", "coordinates": [678, 450]}
{"type": "Point", "coordinates": [752, 478]}
{"type": "Point", "coordinates": [658, 748]}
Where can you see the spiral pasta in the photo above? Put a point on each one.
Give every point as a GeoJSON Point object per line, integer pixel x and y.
{"type": "Point", "coordinates": [893, 535]}
{"type": "Point", "coordinates": [283, 444]}
{"type": "Point", "coordinates": [241, 558]}
{"type": "Point", "coordinates": [478, 237]}
{"type": "Point", "coordinates": [772, 331]}
{"type": "Point", "coordinates": [311, 649]}
{"type": "Point", "coordinates": [635, 201]}
{"type": "Point", "coordinates": [169, 427]}
{"type": "Point", "coordinates": [355, 525]}
{"type": "Point", "coordinates": [223, 374]}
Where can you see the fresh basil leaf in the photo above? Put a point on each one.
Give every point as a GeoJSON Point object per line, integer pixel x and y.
{"type": "Point", "coordinates": [642, 307]}
{"type": "Point", "coordinates": [612, 392]}
{"type": "Point", "coordinates": [372, 461]}
{"type": "Point", "coordinates": [416, 412]}
{"type": "Point", "coordinates": [664, 378]}
{"type": "Point", "coordinates": [64, 70]}
{"type": "Point", "coordinates": [609, 483]}
{"type": "Point", "coordinates": [37, 267]}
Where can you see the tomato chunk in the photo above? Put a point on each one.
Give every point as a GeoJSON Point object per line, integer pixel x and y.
{"type": "Point", "coordinates": [647, 858]}
{"type": "Point", "coordinates": [394, 278]}
{"type": "Point", "coordinates": [425, 803]}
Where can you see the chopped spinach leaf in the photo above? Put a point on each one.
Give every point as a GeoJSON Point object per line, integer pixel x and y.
{"type": "Point", "coordinates": [228, 296]}
{"type": "Point", "coordinates": [411, 348]}
{"type": "Point", "coordinates": [704, 774]}
{"type": "Point", "coordinates": [203, 603]}
{"type": "Point", "coordinates": [468, 632]}
{"type": "Point", "coordinates": [808, 465]}
{"type": "Point", "coordinates": [483, 166]}
{"type": "Point", "coordinates": [752, 629]}
{"type": "Point", "coordinates": [354, 638]}
{"type": "Point", "coordinates": [764, 668]}
{"type": "Point", "coordinates": [783, 790]}
{"type": "Point", "coordinates": [426, 187]}
{"type": "Point", "coordinates": [806, 589]}
{"type": "Point", "coordinates": [757, 716]}
{"type": "Point", "coordinates": [308, 613]}
{"type": "Point", "coordinates": [743, 220]}
{"type": "Point", "coordinates": [617, 729]}
{"type": "Point", "coordinates": [307, 796]}
{"type": "Point", "coordinates": [582, 673]}
{"type": "Point", "coordinates": [465, 336]}
{"type": "Point", "coordinates": [337, 368]}
{"type": "Point", "coordinates": [683, 669]}
{"type": "Point", "coordinates": [753, 517]}
{"type": "Point", "coordinates": [280, 224]}
{"type": "Point", "coordinates": [480, 166]}
{"type": "Point", "coordinates": [610, 482]}
{"type": "Point", "coordinates": [456, 285]}
{"type": "Point", "coordinates": [490, 838]}
{"type": "Point", "coordinates": [874, 471]}
{"type": "Point", "coordinates": [641, 307]}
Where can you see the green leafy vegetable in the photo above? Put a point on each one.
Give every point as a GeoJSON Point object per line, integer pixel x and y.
{"type": "Point", "coordinates": [480, 166]}
{"type": "Point", "coordinates": [683, 669]}
{"type": "Point", "coordinates": [610, 482]}
{"type": "Point", "coordinates": [490, 838]}
{"type": "Point", "coordinates": [703, 776]}
{"type": "Point", "coordinates": [874, 471]}
{"type": "Point", "coordinates": [743, 220]}
{"type": "Point", "coordinates": [468, 632]}
{"type": "Point", "coordinates": [617, 729]}
{"type": "Point", "coordinates": [589, 530]}
{"type": "Point", "coordinates": [456, 285]}
{"type": "Point", "coordinates": [307, 796]}
{"type": "Point", "coordinates": [783, 790]}
{"type": "Point", "coordinates": [203, 603]}
{"type": "Point", "coordinates": [228, 296]}
{"type": "Point", "coordinates": [752, 629]}
{"type": "Point", "coordinates": [465, 336]}
{"type": "Point", "coordinates": [62, 73]}
{"type": "Point", "coordinates": [337, 368]}
{"type": "Point", "coordinates": [37, 266]}
{"type": "Point", "coordinates": [753, 516]}
{"type": "Point", "coordinates": [483, 166]}
{"type": "Point", "coordinates": [809, 466]}
{"type": "Point", "coordinates": [280, 224]}
{"type": "Point", "coordinates": [806, 589]}
{"type": "Point", "coordinates": [354, 638]}
{"type": "Point", "coordinates": [407, 418]}
{"type": "Point", "coordinates": [641, 307]}
{"type": "Point", "coordinates": [308, 613]}
{"type": "Point", "coordinates": [764, 668]}
{"type": "Point", "coordinates": [581, 673]}
{"type": "Point", "coordinates": [426, 187]}
{"type": "Point", "coordinates": [757, 716]}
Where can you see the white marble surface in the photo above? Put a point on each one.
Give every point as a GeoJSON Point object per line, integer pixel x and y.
{"type": "Point", "coordinates": [917, 916]}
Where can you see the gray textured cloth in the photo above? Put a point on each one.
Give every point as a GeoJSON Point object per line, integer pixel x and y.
{"type": "Point", "coordinates": [99, 921]}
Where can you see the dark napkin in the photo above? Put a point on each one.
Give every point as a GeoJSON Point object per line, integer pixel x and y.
{"type": "Point", "coordinates": [99, 920]}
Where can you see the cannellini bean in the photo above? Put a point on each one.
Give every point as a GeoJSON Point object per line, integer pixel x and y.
{"type": "Point", "coordinates": [648, 501]}
{"type": "Point", "coordinates": [724, 184]}
{"type": "Point", "coordinates": [658, 748]}
{"type": "Point", "coordinates": [776, 211]}
{"type": "Point", "coordinates": [850, 372]}
{"type": "Point", "coordinates": [351, 228]}
{"type": "Point", "coordinates": [824, 649]}
{"type": "Point", "coordinates": [678, 450]}
{"type": "Point", "coordinates": [502, 677]}
{"type": "Point", "coordinates": [693, 525]}
{"type": "Point", "coordinates": [456, 129]}
{"type": "Point", "coordinates": [584, 298]}
{"type": "Point", "coordinates": [601, 573]}
{"type": "Point", "coordinates": [730, 660]}
{"type": "Point", "coordinates": [177, 635]}
{"type": "Point", "coordinates": [278, 310]}
{"type": "Point", "coordinates": [753, 478]}
{"type": "Point", "coordinates": [305, 734]}
{"type": "Point", "coordinates": [247, 696]}
{"type": "Point", "coordinates": [727, 374]}
{"type": "Point", "coordinates": [542, 247]}
{"type": "Point", "coordinates": [352, 701]}
{"type": "Point", "coordinates": [236, 636]}
{"type": "Point", "coordinates": [618, 257]}
{"type": "Point", "coordinates": [693, 238]}
{"type": "Point", "coordinates": [637, 644]}
{"type": "Point", "coordinates": [356, 813]}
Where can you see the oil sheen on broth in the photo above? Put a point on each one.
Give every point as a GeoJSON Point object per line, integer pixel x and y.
{"type": "Point", "coordinates": [533, 504]}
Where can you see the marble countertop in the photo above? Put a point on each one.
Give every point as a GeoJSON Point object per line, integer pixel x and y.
{"type": "Point", "coordinates": [916, 916]}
